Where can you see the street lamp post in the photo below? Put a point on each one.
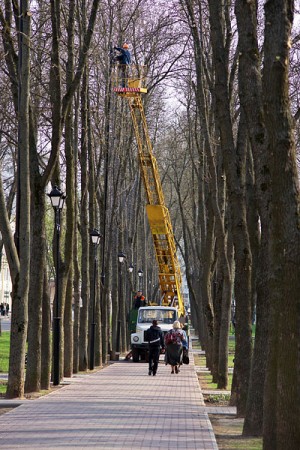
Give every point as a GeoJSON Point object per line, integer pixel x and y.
{"type": "Point", "coordinates": [121, 257]}
{"type": "Point", "coordinates": [140, 274]}
{"type": "Point", "coordinates": [130, 268]}
{"type": "Point", "coordinates": [132, 277]}
{"type": "Point", "coordinates": [57, 198]}
{"type": "Point", "coordinates": [95, 237]}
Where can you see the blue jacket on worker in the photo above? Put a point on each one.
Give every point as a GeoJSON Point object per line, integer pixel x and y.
{"type": "Point", "coordinates": [124, 57]}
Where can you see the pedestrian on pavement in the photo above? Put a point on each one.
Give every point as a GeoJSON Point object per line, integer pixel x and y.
{"type": "Point", "coordinates": [139, 300]}
{"type": "Point", "coordinates": [185, 346]}
{"type": "Point", "coordinates": [155, 338]}
{"type": "Point", "coordinates": [173, 342]}
{"type": "Point", "coordinates": [124, 59]}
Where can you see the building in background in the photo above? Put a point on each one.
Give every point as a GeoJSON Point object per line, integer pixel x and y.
{"type": "Point", "coordinates": [5, 281]}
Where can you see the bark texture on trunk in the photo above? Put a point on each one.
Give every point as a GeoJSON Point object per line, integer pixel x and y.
{"type": "Point", "coordinates": [37, 267]}
{"type": "Point", "coordinates": [85, 281]}
{"type": "Point", "coordinates": [250, 93]}
{"type": "Point", "coordinates": [46, 340]}
{"type": "Point", "coordinates": [19, 317]}
{"type": "Point", "coordinates": [220, 37]}
{"type": "Point", "coordinates": [281, 415]}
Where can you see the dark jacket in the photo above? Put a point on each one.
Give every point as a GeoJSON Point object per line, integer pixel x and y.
{"type": "Point", "coordinates": [124, 57]}
{"type": "Point", "coordinates": [155, 337]}
{"type": "Point", "coordinates": [139, 301]}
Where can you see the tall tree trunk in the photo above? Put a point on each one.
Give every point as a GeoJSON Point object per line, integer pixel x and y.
{"type": "Point", "coordinates": [217, 289]}
{"type": "Point", "coordinates": [37, 266]}
{"type": "Point", "coordinates": [70, 202]}
{"type": "Point", "coordinates": [225, 323]}
{"type": "Point", "coordinates": [250, 93]}
{"type": "Point", "coordinates": [281, 416]}
{"type": "Point", "coordinates": [68, 328]}
{"type": "Point", "coordinates": [85, 283]}
{"type": "Point", "coordinates": [46, 330]}
{"type": "Point", "coordinates": [105, 257]}
{"type": "Point", "coordinates": [98, 339]}
{"type": "Point", "coordinates": [76, 278]}
{"type": "Point", "coordinates": [236, 199]}
{"type": "Point", "coordinates": [122, 300]}
{"type": "Point", "coordinates": [77, 309]}
{"type": "Point", "coordinates": [220, 368]}
{"type": "Point", "coordinates": [243, 276]}
{"type": "Point", "coordinates": [206, 298]}
{"type": "Point", "coordinates": [19, 317]}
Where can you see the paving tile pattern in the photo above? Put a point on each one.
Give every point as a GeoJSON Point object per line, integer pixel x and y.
{"type": "Point", "coordinates": [120, 407]}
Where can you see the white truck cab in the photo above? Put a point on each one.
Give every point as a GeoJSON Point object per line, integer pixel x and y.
{"type": "Point", "coordinates": [165, 316]}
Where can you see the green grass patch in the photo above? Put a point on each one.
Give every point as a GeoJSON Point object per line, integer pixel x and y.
{"type": "Point", "coordinates": [217, 398]}
{"type": "Point", "coordinates": [230, 360]}
{"type": "Point", "coordinates": [3, 386]}
{"type": "Point", "coordinates": [196, 345]}
{"type": "Point", "coordinates": [4, 351]}
{"type": "Point", "coordinates": [228, 431]}
{"type": "Point", "coordinates": [231, 345]}
{"type": "Point", "coordinates": [206, 377]}
{"type": "Point", "coordinates": [200, 360]}
{"type": "Point", "coordinates": [207, 383]}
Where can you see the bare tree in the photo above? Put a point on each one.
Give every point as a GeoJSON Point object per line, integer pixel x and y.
{"type": "Point", "coordinates": [250, 93]}
{"type": "Point", "coordinates": [281, 402]}
{"type": "Point", "coordinates": [221, 36]}
{"type": "Point", "coordinates": [19, 254]}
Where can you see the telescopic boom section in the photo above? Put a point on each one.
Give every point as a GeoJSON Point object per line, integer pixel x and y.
{"type": "Point", "coordinates": [157, 212]}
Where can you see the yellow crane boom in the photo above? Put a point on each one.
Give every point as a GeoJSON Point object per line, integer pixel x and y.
{"type": "Point", "coordinates": [157, 212]}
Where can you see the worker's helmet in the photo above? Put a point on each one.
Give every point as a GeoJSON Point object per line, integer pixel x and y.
{"type": "Point", "coordinates": [125, 45]}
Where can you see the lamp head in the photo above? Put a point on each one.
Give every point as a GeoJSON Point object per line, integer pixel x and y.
{"type": "Point", "coordinates": [95, 236]}
{"type": "Point", "coordinates": [121, 256]}
{"type": "Point", "coordinates": [55, 197]}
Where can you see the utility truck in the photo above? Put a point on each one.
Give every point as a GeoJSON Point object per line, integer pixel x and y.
{"type": "Point", "coordinates": [165, 317]}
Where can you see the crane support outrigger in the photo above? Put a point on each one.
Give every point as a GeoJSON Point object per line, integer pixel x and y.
{"type": "Point", "coordinates": [158, 214]}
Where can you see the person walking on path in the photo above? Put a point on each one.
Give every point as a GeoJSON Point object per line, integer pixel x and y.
{"type": "Point", "coordinates": [155, 338]}
{"type": "Point", "coordinates": [173, 342]}
{"type": "Point", "coordinates": [185, 346]}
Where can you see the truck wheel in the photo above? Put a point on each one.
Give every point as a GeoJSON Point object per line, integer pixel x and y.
{"type": "Point", "coordinates": [135, 355]}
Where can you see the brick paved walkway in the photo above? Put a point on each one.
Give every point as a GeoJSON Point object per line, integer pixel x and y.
{"type": "Point", "coordinates": [120, 407]}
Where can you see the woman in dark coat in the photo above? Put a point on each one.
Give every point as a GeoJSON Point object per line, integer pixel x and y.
{"type": "Point", "coordinates": [173, 343]}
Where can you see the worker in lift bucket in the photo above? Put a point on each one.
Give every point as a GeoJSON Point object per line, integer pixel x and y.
{"type": "Point", "coordinates": [124, 59]}
{"type": "Point", "coordinates": [139, 300]}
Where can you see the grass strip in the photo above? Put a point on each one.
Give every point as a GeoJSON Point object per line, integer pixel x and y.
{"type": "Point", "coordinates": [228, 431]}
{"type": "Point", "coordinates": [4, 351]}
